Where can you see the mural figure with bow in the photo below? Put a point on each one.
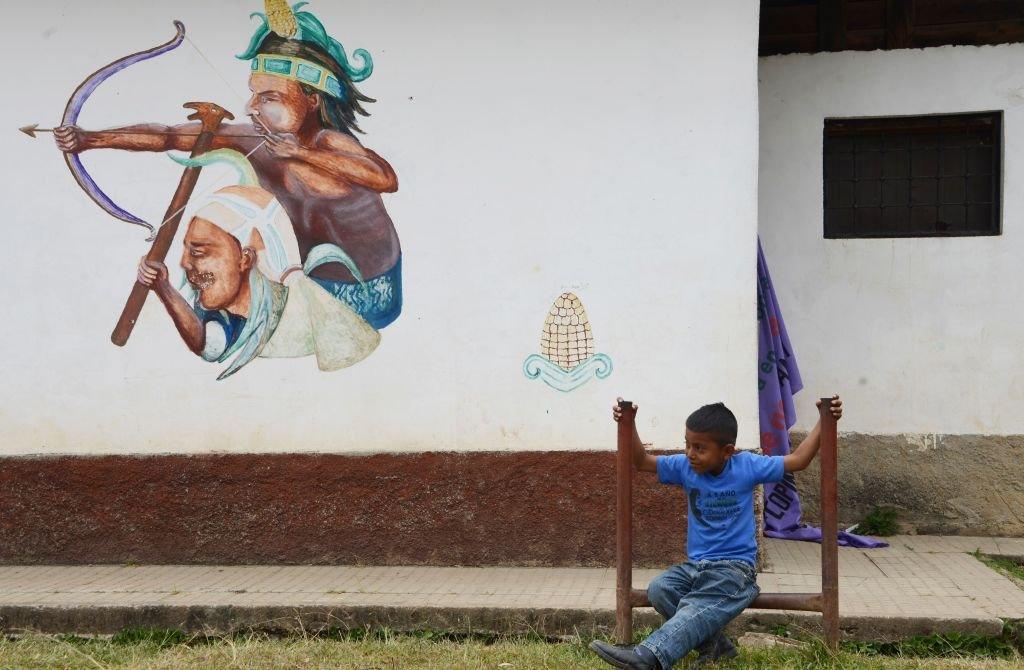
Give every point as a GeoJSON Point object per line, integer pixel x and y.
{"type": "Point", "coordinates": [299, 162]}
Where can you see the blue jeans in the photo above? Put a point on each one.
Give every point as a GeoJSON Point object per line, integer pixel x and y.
{"type": "Point", "coordinates": [697, 599]}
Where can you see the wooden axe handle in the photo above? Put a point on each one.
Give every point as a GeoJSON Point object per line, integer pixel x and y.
{"type": "Point", "coordinates": [162, 243]}
{"type": "Point", "coordinates": [210, 115]}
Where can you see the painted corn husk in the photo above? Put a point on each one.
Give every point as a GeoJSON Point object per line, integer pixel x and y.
{"type": "Point", "coordinates": [566, 339]}
{"type": "Point", "coordinates": [281, 18]}
{"type": "Point", "coordinates": [567, 358]}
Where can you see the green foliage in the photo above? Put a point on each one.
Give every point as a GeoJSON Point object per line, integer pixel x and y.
{"type": "Point", "coordinates": [948, 645]}
{"type": "Point", "coordinates": [880, 522]}
{"type": "Point", "coordinates": [384, 649]}
{"type": "Point", "coordinates": [641, 632]}
{"type": "Point", "coordinates": [1007, 565]}
{"type": "Point", "coordinates": [1013, 633]}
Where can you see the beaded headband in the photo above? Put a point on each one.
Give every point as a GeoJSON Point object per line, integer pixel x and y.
{"type": "Point", "coordinates": [300, 70]}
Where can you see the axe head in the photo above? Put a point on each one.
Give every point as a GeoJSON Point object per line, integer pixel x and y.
{"type": "Point", "coordinates": [210, 114]}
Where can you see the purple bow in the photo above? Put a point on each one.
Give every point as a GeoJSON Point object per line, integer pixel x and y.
{"type": "Point", "coordinates": [74, 108]}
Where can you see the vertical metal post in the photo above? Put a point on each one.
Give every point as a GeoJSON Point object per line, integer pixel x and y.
{"type": "Point", "coordinates": [624, 526]}
{"type": "Point", "coordinates": [829, 525]}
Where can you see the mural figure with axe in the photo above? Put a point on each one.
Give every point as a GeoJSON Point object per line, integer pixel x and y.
{"type": "Point", "coordinates": [250, 294]}
{"type": "Point", "coordinates": [301, 143]}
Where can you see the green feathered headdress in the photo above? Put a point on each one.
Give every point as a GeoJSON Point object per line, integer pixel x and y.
{"type": "Point", "coordinates": [290, 23]}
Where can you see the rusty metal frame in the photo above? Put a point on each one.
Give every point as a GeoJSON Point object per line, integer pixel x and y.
{"type": "Point", "coordinates": [826, 602]}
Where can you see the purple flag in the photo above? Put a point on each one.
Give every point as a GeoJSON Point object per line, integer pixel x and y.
{"type": "Point", "coordinates": [778, 378]}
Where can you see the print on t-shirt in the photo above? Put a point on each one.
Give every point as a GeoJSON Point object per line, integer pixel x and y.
{"type": "Point", "coordinates": [721, 507]}
{"type": "Point", "coordinates": [714, 509]}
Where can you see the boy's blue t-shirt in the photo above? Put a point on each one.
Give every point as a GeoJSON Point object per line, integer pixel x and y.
{"type": "Point", "coordinates": [721, 509]}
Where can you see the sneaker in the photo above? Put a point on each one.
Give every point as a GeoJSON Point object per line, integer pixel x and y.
{"type": "Point", "coordinates": [627, 658]}
{"type": "Point", "coordinates": [717, 648]}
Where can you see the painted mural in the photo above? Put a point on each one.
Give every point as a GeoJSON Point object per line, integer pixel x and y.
{"type": "Point", "coordinates": [300, 258]}
{"type": "Point", "coordinates": [567, 358]}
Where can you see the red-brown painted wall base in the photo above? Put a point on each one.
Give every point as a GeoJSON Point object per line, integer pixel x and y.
{"type": "Point", "coordinates": [436, 508]}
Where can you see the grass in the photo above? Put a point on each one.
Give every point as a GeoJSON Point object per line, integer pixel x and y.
{"type": "Point", "coordinates": [384, 650]}
{"type": "Point", "coordinates": [946, 645]}
{"type": "Point", "coordinates": [950, 645]}
{"type": "Point", "coordinates": [1005, 565]}
{"type": "Point", "coordinates": [880, 522]}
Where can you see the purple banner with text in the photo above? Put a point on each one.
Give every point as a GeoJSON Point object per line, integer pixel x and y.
{"type": "Point", "coordinates": [778, 378]}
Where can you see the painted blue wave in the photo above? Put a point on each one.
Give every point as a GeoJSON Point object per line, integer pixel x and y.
{"type": "Point", "coordinates": [538, 367]}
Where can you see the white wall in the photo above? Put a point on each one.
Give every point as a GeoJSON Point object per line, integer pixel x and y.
{"type": "Point", "coordinates": [921, 335]}
{"type": "Point", "coordinates": [585, 145]}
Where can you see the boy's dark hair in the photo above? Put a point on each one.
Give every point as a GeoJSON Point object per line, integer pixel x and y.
{"type": "Point", "coordinates": [717, 421]}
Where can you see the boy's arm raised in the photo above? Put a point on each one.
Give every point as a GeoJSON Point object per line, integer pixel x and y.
{"type": "Point", "coordinates": [641, 459]}
{"type": "Point", "coordinates": [801, 457]}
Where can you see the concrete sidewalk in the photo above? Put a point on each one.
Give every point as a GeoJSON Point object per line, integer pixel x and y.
{"type": "Point", "coordinates": [920, 584]}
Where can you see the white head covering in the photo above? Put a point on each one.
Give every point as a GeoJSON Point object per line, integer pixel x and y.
{"type": "Point", "coordinates": [243, 210]}
{"type": "Point", "coordinates": [313, 322]}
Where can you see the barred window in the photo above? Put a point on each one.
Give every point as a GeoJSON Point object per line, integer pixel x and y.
{"type": "Point", "coordinates": [913, 176]}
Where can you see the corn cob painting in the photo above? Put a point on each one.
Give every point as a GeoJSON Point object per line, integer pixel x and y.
{"type": "Point", "coordinates": [567, 359]}
{"type": "Point", "coordinates": [281, 18]}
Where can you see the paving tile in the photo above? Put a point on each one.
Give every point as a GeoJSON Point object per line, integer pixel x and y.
{"type": "Point", "coordinates": [916, 576]}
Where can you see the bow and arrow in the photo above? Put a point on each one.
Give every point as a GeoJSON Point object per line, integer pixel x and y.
{"type": "Point", "coordinates": [208, 114]}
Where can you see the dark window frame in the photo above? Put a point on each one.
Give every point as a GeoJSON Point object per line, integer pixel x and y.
{"type": "Point", "coordinates": [848, 182]}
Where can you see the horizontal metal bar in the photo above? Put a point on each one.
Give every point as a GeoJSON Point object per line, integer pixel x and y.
{"type": "Point", "coordinates": [804, 602]}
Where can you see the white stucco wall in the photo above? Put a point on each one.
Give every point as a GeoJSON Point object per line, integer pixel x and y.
{"type": "Point", "coordinates": [920, 335]}
{"type": "Point", "coordinates": [584, 145]}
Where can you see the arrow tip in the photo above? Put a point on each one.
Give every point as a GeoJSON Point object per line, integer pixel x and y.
{"type": "Point", "coordinates": [29, 130]}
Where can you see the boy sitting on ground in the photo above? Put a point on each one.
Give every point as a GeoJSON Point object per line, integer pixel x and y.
{"type": "Point", "coordinates": [699, 597]}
